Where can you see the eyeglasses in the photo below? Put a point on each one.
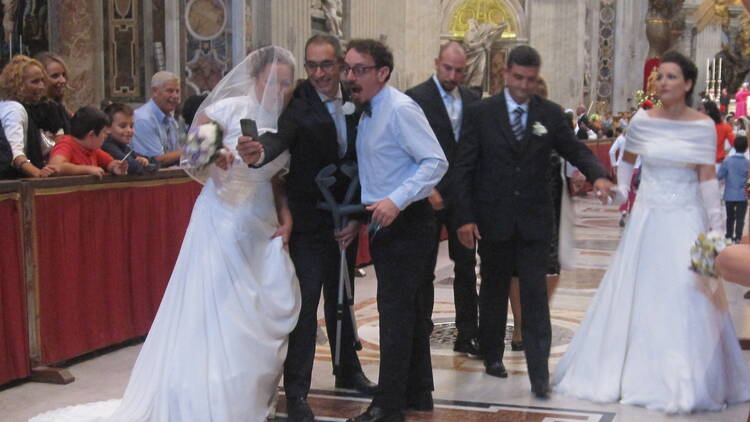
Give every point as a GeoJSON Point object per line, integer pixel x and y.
{"type": "Point", "coordinates": [358, 70]}
{"type": "Point", "coordinates": [325, 66]}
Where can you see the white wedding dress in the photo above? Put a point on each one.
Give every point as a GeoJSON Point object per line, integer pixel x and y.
{"type": "Point", "coordinates": [656, 334]}
{"type": "Point", "coordinates": [216, 348]}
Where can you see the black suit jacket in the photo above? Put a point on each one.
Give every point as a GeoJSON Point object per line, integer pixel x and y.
{"type": "Point", "coordinates": [308, 131]}
{"type": "Point", "coordinates": [428, 97]}
{"type": "Point", "coordinates": [499, 183]}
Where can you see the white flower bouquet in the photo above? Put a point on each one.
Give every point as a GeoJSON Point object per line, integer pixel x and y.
{"type": "Point", "coordinates": [203, 145]}
{"type": "Point", "coordinates": [704, 251]}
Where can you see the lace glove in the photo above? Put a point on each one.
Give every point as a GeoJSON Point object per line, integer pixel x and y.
{"type": "Point", "coordinates": [712, 203]}
{"type": "Point", "coordinates": [624, 177]}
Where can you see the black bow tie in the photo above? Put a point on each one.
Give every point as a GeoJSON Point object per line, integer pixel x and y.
{"type": "Point", "coordinates": [366, 108]}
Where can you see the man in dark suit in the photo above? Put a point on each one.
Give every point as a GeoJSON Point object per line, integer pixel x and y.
{"type": "Point", "coordinates": [318, 132]}
{"type": "Point", "coordinates": [500, 189]}
{"type": "Point", "coordinates": [443, 100]}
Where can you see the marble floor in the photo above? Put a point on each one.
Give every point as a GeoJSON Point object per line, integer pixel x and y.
{"type": "Point", "coordinates": [462, 390]}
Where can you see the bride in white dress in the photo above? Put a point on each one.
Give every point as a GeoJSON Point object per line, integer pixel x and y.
{"type": "Point", "coordinates": [656, 334]}
{"type": "Point", "coordinates": [217, 345]}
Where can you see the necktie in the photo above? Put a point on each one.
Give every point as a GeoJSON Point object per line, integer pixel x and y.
{"type": "Point", "coordinates": [517, 123]}
{"type": "Point", "coordinates": [450, 102]}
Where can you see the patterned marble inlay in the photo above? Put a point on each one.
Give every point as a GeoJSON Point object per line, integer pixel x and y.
{"type": "Point", "coordinates": [209, 44]}
{"type": "Point", "coordinates": [339, 405]}
{"type": "Point", "coordinates": [606, 66]}
{"type": "Point", "coordinates": [124, 79]}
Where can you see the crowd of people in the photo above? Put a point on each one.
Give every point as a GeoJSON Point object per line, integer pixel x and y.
{"type": "Point", "coordinates": [241, 304]}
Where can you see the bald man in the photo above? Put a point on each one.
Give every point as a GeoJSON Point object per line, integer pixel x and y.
{"type": "Point", "coordinates": [443, 99]}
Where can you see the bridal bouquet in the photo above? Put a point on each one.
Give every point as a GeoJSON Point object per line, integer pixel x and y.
{"type": "Point", "coordinates": [203, 145]}
{"type": "Point", "coordinates": [704, 252]}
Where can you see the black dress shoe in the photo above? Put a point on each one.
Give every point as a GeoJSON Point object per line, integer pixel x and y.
{"type": "Point", "coordinates": [466, 345]}
{"type": "Point", "coordinates": [747, 294]}
{"type": "Point", "coordinates": [516, 346]}
{"type": "Point", "coordinates": [379, 414]}
{"type": "Point", "coordinates": [297, 410]}
{"type": "Point", "coordinates": [358, 381]}
{"type": "Point", "coordinates": [495, 368]}
{"type": "Point", "coordinates": [541, 390]}
{"type": "Point", "coordinates": [421, 401]}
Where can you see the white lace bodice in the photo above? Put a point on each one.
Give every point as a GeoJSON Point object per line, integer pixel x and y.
{"type": "Point", "coordinates": [668, 184]}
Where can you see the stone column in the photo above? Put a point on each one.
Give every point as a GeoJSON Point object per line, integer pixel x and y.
{"type": "Point", "coordinates": [80, 46]}
{"type": "Point", "coordinates": [411, 28]}
{"type": "Point", "coordinates": [557, 30]}
{"type": "Point", "coordinates": [631, 50]}
{"type": "Point", "coordinates": [291, 27]}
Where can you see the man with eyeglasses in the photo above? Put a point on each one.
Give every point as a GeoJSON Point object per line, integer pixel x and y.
{"type": "Point", "coordinates": [318, 132]}
{"type": "Point", "coordinates": [443, 99]}
{"type": "Point", "coordinates": [400, 162]}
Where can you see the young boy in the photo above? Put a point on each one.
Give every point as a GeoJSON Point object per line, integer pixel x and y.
{"type": "Point", "coordinates": [120, 135]}
{"type": "Point", "coordinates": [733, 171]}
{"type": "Point", "coordinates": [80, 152]}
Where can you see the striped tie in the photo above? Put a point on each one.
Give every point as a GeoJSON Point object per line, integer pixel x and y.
{"type": "Point", "coordinates": [517, 123]}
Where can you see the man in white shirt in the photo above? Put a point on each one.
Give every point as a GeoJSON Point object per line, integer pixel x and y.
{"type": "Point", "coordinates": [618, 147]}
{"type": "Point", "coordinates": [400, 162]}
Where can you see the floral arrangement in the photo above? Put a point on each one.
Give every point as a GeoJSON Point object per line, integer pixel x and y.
{"type": "Point", "coordinates": [704, 251]}
{"type": "Point", "coordinates": [203, 145]}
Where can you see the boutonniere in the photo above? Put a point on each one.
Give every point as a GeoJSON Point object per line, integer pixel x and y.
{"type": "Point", "coordinates": [539, 129]}
{"type": "Point", "coordinates": [348, 108]}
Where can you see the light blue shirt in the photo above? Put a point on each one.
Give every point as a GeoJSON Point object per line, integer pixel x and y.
{"type": "Point", "coordinates": [733, 171]}
{"type": "Point", "coordinates": [512, 105]}
{"type": "Point", "coordinates": [453, 105]}
{"type": "Point", "coordinates": [398, 155]}
{"type": "Point", "coordinates": [155, 132]}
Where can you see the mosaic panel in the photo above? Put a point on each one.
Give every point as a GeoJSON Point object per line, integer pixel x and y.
{"type": "Point", "coordinates": [123, 50]}
{"type": "Point", "coordinates": [208, 48]}
{"type": "Point", "coordinates": [605, 73]}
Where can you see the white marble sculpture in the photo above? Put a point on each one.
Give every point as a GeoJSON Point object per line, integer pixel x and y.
{"type": "Point", "coordinates": [479, 39]}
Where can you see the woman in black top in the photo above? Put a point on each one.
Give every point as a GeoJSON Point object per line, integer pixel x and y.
{"type": "Point", "coordinates": [50, 115]}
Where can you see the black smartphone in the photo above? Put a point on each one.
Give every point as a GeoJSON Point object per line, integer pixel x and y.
{"type": "Point", "coordinates": [249, 128]}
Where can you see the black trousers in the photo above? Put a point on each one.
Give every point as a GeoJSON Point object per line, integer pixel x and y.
{"type": "Point", "coordinates": [736, 211]}
{"type": "Point", "coordinates": [316, 260]}
{"type": "Point", "coordinates": [499, 258]}
{"type": "Point", "coordinates": [465, 277]}
{"type": "Point", "coordinates": [402, 256]}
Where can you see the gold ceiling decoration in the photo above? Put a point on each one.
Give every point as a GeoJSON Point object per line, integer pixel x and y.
{"type": "Point", "coordinates": [492, 12]}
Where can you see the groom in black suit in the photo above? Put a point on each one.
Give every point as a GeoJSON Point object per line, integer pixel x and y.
{"type": "Point", "coordinates": [501, 199]}
{"type": "Point", "coordinates": [319, 128]}
{"type": "Point", "coordinates": [443, 99]}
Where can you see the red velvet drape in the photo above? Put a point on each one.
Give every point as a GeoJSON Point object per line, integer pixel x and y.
{"type": "Point", "coordinates": [105, 257]}
{"type": "Point", "coordinates": [14, 343]}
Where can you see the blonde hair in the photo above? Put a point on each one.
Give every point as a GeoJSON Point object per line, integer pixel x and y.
{"type": "Point", "coordinates": [47, 57]}
{"type": "Point", "coordinates": [11, 78]}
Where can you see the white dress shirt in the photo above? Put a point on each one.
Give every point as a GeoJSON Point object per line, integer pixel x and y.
{"type": "Point", "coordinates": [453, 105]}
{"type": "Point", "coordinates": [398, 155]}
{"type": "Point", "coordinates": [334, 107]}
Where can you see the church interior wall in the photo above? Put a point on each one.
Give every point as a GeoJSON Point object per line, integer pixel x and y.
{"type": "Point", "coordinates": [586, 57]}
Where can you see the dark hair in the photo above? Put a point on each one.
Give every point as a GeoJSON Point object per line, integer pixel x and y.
{"type": "Point", "coordinates": [325, 39]}
{"type": "Point", "coordinates": [618, 130]}
{"type": "Point", "coordinates": [740, 144]}
{"type": "Point", "coordinates": [379, 52]}
{"type": "Point", "coordinates": [115, 108]}
{"type": "Point", "coordinates": [87, 119]}
{"type": "Point", "coordinates": [524, 55]}
{"type": "Point", "coordinates": [190, 107]}
{"type": "Point", "coordinates": [712, 110]}
{"type": "Point", "coordinates": [266, 56]}
{"type": "Point", "coordinates": [689, 70]}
